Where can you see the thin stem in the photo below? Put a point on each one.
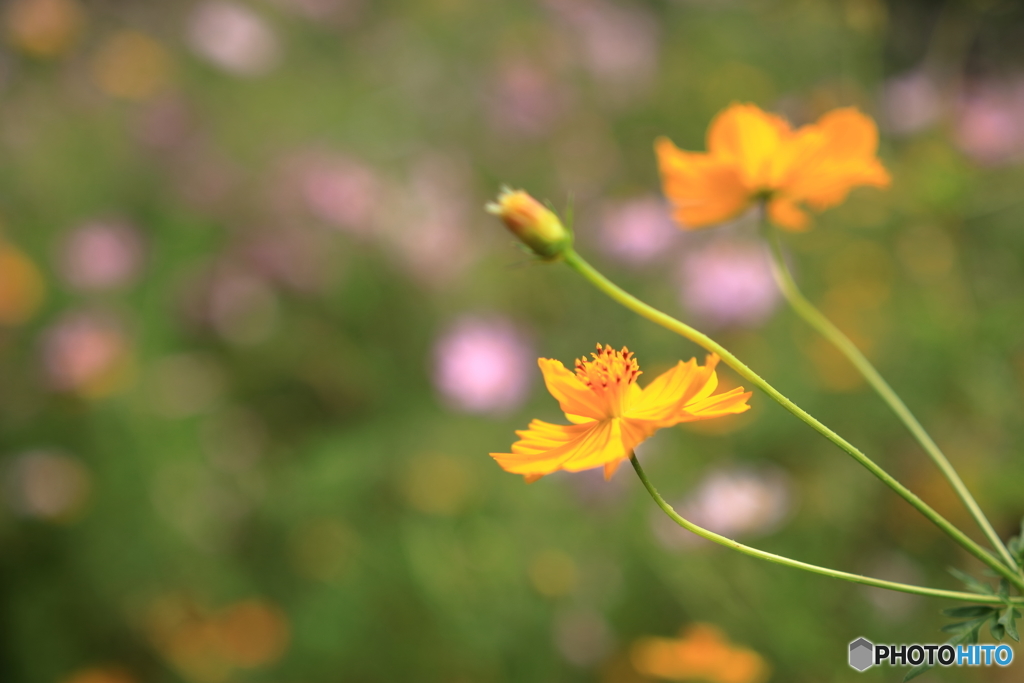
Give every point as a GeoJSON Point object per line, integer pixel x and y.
{"type": "Point", "coordinates": [806, 310]}
{"type": "Point", "coordinates": [813, 568]}
{"type": "Point", "coordinates": [574, 261]}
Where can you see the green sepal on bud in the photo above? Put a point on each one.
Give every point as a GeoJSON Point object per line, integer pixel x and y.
{"type": "Point", "coordinates": [537, 226]}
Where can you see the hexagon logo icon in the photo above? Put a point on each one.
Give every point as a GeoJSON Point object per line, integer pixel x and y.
{"type": "Point", "coordinates": [861, 654]}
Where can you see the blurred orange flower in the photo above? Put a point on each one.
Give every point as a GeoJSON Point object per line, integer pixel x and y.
{"type": "Point", "coordinates": [206, 646]}
{"type": "Point", "coordinates": [44, 28]}
{"type": "Point", "coordinates": [100, 675]}
{"type": "Point", "coordinates": [611, 414]}
{"type": "Point", "coordinates": [753, 155]}
{"type": "Point", "coordinates": [700, 653]}
{"type": "Point", "coordinates": [21, 286]}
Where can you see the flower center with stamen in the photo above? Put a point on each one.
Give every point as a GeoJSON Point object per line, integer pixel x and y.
{"type": "Point", "coordinates": [608, 374]}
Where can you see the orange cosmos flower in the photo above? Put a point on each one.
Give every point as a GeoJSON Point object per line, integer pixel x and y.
{"type": "Point", "coordinates": [611, 414]}
{"type": "Point", "coordinates": [702, 652]}
{"type": "Point", "coordinates": [753, 155]}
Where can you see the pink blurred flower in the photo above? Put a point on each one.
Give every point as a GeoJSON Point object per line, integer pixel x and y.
{"type": "Point", "coordinates": [619, 43]}
{"type": "Point", "coordinates": [203, 176]}
{"type": "Point", "coordinates": [525, 100]}
{"type": "Point", "coordinates": [728, 282]}
{"type": "Point", "coordinates": [165, 125]}
{"type": "Point", "coordinates": [47, 485]}
{"type": "Point", "coordinates": [582, 636]}
{"type": "Point", "coordinates": [910, 102]}
{"type": "Point", "coordinates": [232, 300]}
{"type": "Point", "coordinates": [425, 224]}
{"type": "Point", "coordinates": [299, 258]}
{"type": "Point", "coordinates": [233, 37]}
{"type": "Point", "coordinates": [101, 255]}
{"type": "Point", "coordinates": [242, 308]}
{"type": "Point", "coordinates": [730, 502]}
{"type": "Point", "coordinates": [990, 122]}
{"type": "Point", "coordinates": [87, 353]}
{"type": "Point", "coordinates": [337, 189]}
{"type": "Point", "coordinates": [483, 365]}
{"type": "Point", "coordinates": [637, 231]}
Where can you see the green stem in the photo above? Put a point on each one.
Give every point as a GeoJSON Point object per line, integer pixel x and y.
{"type": "Point", "coordinates": [806, 310]}
{"type": "Point", "coordinates": [814, 569]}
{"type": "Point", "coordinates": [576, 262]}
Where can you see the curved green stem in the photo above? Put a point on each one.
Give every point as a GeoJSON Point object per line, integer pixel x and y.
{"type": "Point", "coordinates": [806, 310]}
{"type": "Point", "coordinates": [813, 568]}
{"type": "Point", "coordinates": [576, 262]}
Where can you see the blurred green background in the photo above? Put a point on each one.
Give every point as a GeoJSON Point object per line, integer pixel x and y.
{"type": "Point", "coordinates": [258, 336]}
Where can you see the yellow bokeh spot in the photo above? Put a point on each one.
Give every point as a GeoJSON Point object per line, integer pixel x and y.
{"type": "Point", "coordinates": [43, 28]}
{"type": "Point", "coordinates": [866, 16]}
{"type": "Point", "coordinates": [436, 484]}
{"type": "Point", "coordinates": [553, 573]}
{"type": "Point", "coordinates": [860, 277]}
{"type": "Point", "coordinates": [100, 675]}
{"type": "Point", "coordinates": [132, 66]}
{"type": "Point", "coordinates": [928, 253]}
{"type": "Point", "coordinates": [323, 549]}
{"type": "Point", "coordinates": [21, 286]}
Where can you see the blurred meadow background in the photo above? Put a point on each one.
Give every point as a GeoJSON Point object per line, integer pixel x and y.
{"type": "Point", "coordinates": [257, 337]}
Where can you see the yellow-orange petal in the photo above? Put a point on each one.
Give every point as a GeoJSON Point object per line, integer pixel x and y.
{"type": "Point", "coordinates": [611, 444]}
{"type": "Point", "coordinates": [703, 190]}
{"type": "Point", "coordinates": [610, 467]}
{"type": "Point", "coordinates": [834, 184]}
{"type": "Point", "coordinates": [749, 138]}
{"type": "Point", "coordinates": [827, 159]}
{"type": "Point", "coordinates": [731, 402]}
{"type": "Point", "coordinates": [675, 387]}
{"type": "Point", "coordinates": [784, 213]}
{"type": "Point", "coordinates": [574, 397]}
{"type": "Point", "coordinates": [850, 133]}
{"type": "Point", "coordinates": [543, 447]}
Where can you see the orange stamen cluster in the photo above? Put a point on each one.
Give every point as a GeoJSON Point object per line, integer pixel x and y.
{"type": "Point", "coordinates": [608, 367]}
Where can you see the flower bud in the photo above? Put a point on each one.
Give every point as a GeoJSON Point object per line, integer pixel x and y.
{"type": "Point", "coordinates": [533, 223]}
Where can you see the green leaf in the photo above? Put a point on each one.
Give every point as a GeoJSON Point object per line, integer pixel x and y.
{"type": "Point", "coordinates": [954, 641]}
{"type": "Point", "coordinates": [1016, 548]}
{"type": "Point", "coordinates": [969, 611]}
{"type": "Point", "coordinates": [997, 630]}
{"type": "Point", "coordinates": [971, 582]}
{"type": "Point", "coordinates": [1004, 589]}
{"type": "Point", "coordinates": [917, 671]}
{"type": "Point", "coordinates": [964, 626]}
{"type": "Point", "coordinates": [1008, 619]}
